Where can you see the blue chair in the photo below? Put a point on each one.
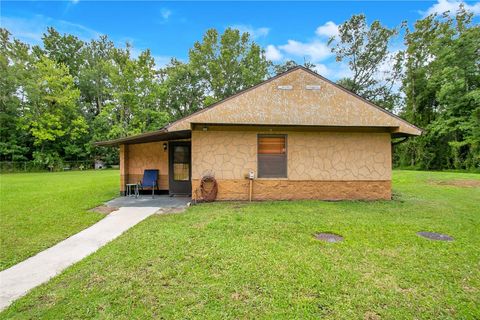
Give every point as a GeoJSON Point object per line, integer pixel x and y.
{"type": "Point", "coordinates": [150, 180]}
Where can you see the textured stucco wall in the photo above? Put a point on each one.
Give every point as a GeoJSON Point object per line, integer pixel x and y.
{"type": "Point", "coordinates": [146, 156]}
{"type": "Point", "coordinates": [321, 165]}
{"type": "Point", "coordinates": [266, 104]}
{"type": "Point", "coordinates": [227, 154]}
{"type": "Point", "coordinates": [336, 156]}
{"type": "Point", "coordinates": [339, 156]}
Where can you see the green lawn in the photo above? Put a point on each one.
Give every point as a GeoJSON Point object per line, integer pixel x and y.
{"type": "Point", "coordinates": [38, 210]}
{"type": "Point", "coordinates": [239, 260]}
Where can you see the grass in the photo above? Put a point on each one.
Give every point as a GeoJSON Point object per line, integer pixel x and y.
{"type": "Point", "coordinates": [41, 209]}
{"type": "Point", "coordinates": [260, 260]}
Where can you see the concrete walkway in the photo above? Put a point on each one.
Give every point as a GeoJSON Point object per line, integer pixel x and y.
{"type": "Point", "coordinates": [21, 278]}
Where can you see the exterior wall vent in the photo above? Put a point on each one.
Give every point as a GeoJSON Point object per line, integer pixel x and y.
{"type": "Point", "coordinates": [312, 87]}
{"type": "Point", "coordinates": [284, 87]}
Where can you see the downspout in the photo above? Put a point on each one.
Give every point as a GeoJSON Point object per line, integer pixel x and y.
{"type": "Point", "coordinates": [394, 144]}
{"type": "Point", "coordinates": [400, 141]}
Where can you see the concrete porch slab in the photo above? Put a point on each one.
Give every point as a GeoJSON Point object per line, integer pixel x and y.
{"type": "Point", "coordinates": [160, 201]}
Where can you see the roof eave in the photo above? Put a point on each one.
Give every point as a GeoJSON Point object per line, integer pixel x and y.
{"type": "Point", "coordinates": [152, 136]}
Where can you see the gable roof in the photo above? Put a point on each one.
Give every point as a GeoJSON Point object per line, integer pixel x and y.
{"type": "Point", "coordinates": [297, 97]}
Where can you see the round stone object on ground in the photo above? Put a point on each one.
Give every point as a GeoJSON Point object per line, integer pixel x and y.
{"type": "Point", "coordinates": [434, 236]}
{"type": "Point", "coordinates": [328, 237]}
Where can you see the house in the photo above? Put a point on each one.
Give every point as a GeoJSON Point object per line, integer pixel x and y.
{"type": "Point", "coordinates": [300, 135]}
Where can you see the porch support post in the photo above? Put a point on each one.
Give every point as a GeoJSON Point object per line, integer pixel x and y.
{"type": "Point", "coordinates": [123, 167]}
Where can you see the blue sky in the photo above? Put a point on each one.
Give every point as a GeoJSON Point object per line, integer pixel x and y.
{"type": "Point", "coordinates": [287, 30]}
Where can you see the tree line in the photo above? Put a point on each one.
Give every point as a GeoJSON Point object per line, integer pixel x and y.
{"type": "Point", "coordinates": [59, 97]}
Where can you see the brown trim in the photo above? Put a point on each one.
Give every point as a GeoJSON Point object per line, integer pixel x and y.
{"type": "Point", "coordinates": [152, 136]}
{"type": "Point", "coordinates": [287, 127]}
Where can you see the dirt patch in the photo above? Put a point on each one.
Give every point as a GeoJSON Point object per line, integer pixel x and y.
{"type": "Point", "coordinates": [328, 237]}
{"type": "Point", "coordinates": [457, 183]}
{"type": "Point", "coordinates": [238, 205]}
{"type": "Point", "coordinates": [104, 209]}
{"type": "Point", "coordinates": [369, 315]}
{"type": "Point", "coordinates": [434, 236]}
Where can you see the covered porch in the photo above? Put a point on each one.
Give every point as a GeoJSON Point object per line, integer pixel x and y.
{"type": "Point", "coordinates": [167, 152]}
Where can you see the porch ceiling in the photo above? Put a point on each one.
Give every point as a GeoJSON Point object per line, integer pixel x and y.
{"type": "Point", "coordinates": [159, 135]}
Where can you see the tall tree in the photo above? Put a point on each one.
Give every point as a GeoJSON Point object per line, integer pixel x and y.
{"type": "Point", "coordinates": [14, 64]}
{"type": "Point", "coordinates": [135, 105]}
{"type": "Point", "coordinates": [51, 113]}
{"type": "Point", "coordinates": [366, 50]}
{"type": "Point", "coordinates": [182, 90]}
{"type": "Point", "coordinates": [228, 63]}
{"type": "Point", "coordinates": [93, 76]}
{"type": "Point", "coordinates": [442, 90]}
{"type": "Point", "coordinates": [65, 49]}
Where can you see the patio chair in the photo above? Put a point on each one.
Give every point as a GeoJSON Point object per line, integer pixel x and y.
{"type": "Point", "coordinates": [149, 180]}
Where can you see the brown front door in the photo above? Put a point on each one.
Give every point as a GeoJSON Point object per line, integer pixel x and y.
{"type": "Point", "coordinates": [180, 168]}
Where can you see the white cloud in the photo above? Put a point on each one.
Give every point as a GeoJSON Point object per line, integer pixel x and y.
{"type": "Point", "coordinates": [32, 29]}
{"type": "Point", "coordinates": [315, 50]}
{"type": "Point", "coordinates": [333, 70]}
{"type": "Point", "coordinates": [329, 29]}
{"type": "Point", "coordinates": [161, 61]}
{"type": "Point", "coordinates": [254, 32]}
{"type": "Point", "coordinates": [272, 53]}
{"type": "Point", "coordinates": [451, 5]}
{"type": "Point", "coordinates": [165, 13]}
{"type": "Point", "coordinates": [322, 69]}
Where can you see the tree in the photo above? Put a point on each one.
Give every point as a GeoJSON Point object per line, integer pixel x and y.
{"type": "Point", "coordinates": [14, 61]}
{"type": "Point", "coordinates": [442, 92]}
{"type": "Point", "coordinates": [289, 64]}
{"type": "Point", "coordinates": [182, 89]}
{"type": "Point", "coordinates": [93, 76]}
{"type": "Point", "coordinates": [227, 63]}
{"type": "Point", "coordinates": [135, 104]}
{"type": "Point", "coordinates": [64, 49]}
{"type": "Point", "coordinates": [50, 113]}
{"type": "Point", "coordinates": [366, 50]}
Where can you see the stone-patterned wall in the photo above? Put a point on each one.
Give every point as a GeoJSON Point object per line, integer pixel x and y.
{"type": "Point", "coordinates": [337, 156]}
{"type": "Point", "coordinates": [146, 156]}
{"type": "Point", "coordinates": [227, 154]}
{"type": "Point", "coordinates": [321, 165]}
{"type": "Point", "coordinates": [267, 104]}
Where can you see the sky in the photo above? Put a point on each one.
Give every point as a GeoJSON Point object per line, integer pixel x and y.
{"type": "Point", "coordinates": [287, 30]}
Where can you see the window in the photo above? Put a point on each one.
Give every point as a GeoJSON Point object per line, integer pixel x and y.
{"type": "Point", "coordinates": [272, 156]}
{"type": "Point", "coordinates": [181, 163]}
